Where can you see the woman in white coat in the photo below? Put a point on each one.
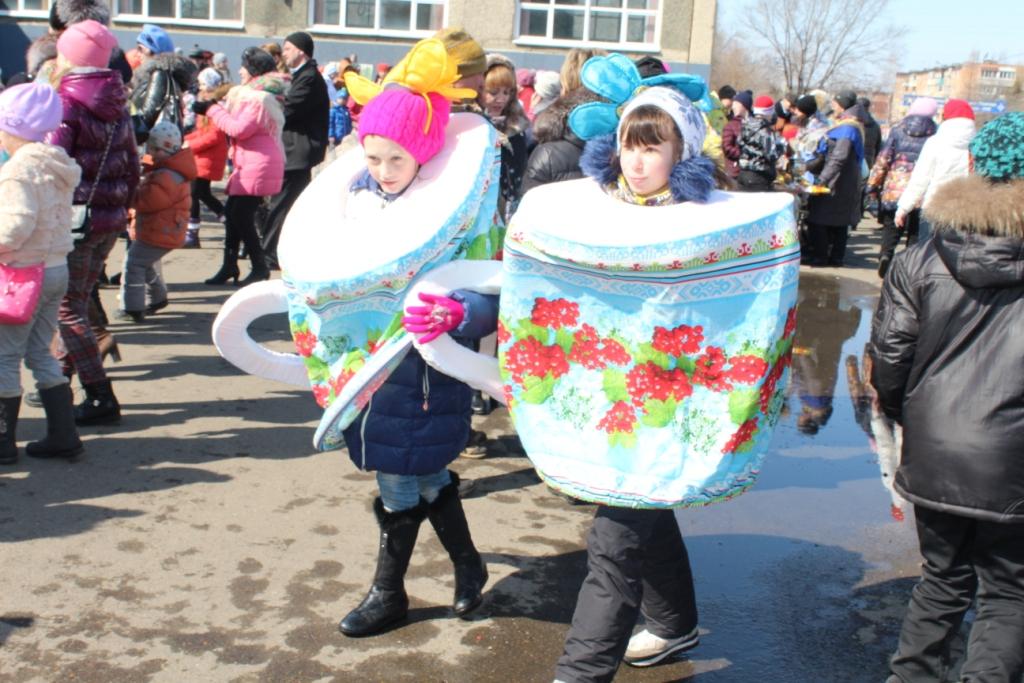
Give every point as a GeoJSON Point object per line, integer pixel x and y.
{"type": "Point", "coordinates": [944, 157]}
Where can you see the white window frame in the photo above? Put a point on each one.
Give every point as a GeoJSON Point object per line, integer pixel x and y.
{"type": "Point", "coordinates": [27, 13]}
{"type": "Point", "coordinates": [177, 19]}
{"type": "Point", "coordinates": [548, 40]}
{"type": "Point", "coordinates": [341, 29]}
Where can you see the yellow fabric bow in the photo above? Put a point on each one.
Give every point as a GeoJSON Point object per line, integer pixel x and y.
{"type": "Point", "coordinates": [425, 69]}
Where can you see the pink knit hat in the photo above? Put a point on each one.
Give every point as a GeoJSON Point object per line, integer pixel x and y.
{"type": "Point", "coordinates": [87, 43]}
{"type": "Point", "coordinates": [30, 111]}
{"type": "Point", "coordinates": [401, 115]}
{"type": "Point", "coordinates": [923, 106]}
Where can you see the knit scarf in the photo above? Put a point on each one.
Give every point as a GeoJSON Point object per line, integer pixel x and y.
{"type": "Point", "coordinates": [620, 190]}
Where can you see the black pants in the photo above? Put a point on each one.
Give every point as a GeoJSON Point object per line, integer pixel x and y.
{"type": "Point", "coordinates": [637, 563]}
{"type": "Point", "coordinates": [965, 560]}
{"type": "Point", "coordinates": [201, 192]}
{"type": "Point", "coordinates": [751, 181]}
{"type": "Point", "coordinates": [240, 226]}
{"type": "Point", "coordinates": [828, 244]}
{"type": "Point", "coordinates": [280, 204]}
{"type": "Point", "coordinates": [891, 235]}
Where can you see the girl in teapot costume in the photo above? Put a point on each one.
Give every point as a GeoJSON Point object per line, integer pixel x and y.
{"type": "Point", "coordinates": [418, 420]}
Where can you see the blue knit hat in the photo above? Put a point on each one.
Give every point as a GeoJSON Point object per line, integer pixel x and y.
{"type": "Point", "coordinates": [998, 148]}
{"type": "Point", "coordinates": [155, 39]}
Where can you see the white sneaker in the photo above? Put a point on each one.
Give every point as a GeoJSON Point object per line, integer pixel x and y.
{"type": "Point", "coordinates": [647, 649]}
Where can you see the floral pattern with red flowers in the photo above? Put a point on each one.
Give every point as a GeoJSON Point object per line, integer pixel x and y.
{"type": "Point", "coordinates": [645, 383]}
{"type": "Point", "coordinates": [679, 340]}
{"type": "Point", "coordinates": [555, 314]}
{"type": "Point", "coordinates": [530, 358]}
{"type": "Point", "coordinates": [305, 342]}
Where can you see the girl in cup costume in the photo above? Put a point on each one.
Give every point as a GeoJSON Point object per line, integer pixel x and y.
{"type": "Point", "coordinates": [632, 380]}
{"type": "Point", "coordinates": [418, 421]}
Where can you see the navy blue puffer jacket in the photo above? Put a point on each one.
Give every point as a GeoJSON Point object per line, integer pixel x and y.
{"type": "Point", "coordinates": [418, 421]}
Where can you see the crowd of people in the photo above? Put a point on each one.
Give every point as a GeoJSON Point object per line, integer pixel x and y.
{"type": "Point", "coordinates": [72, 128]}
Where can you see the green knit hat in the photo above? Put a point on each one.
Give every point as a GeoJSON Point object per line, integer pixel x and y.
{"type": "Point", "coordinates": [998, 148]}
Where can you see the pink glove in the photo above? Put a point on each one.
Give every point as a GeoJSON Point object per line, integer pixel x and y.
{"type": "Point", "coordinates": [441, 314]}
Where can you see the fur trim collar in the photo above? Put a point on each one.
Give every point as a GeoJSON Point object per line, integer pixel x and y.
{"type": "Point", "coordinates": [182, 70]}
{"type": "Point", "coordinates": [691, 181]}
{"type": "Point", "coordinates": [977, 205]}
{"type": "Point", "coordinates": [42, 50]}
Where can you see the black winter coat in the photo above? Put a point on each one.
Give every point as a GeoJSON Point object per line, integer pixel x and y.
{"type": "Point", "coordinates": [948, 349]}
{"type": "Point", "coordinates": [557, 154]}
{"type": "Point", "coordinates": [872, 139]}
{"type": "Point", "coordinates": [307, 113]}
{"type": "Point", "coordinates": [157, 88]}
{"type": "Point", "coordinates": [418, 421]}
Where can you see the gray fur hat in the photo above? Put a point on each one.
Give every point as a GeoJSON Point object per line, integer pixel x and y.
{"type": "Point", "coordinates": [63, 13]}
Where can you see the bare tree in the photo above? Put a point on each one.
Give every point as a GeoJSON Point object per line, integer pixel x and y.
{"type": "Point", "coordinates": [817, 43]}
{"type": "Point", "coordinates": [733, 62]}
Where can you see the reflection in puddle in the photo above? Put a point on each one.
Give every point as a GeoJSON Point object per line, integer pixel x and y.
{"type": "Point", "coordinates": [834, 325]}
{"type": "Point", "coordinates": [884, 435]}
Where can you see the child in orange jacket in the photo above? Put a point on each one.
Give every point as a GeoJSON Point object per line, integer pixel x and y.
{"type": "Point", "coordinates": [159, 221]}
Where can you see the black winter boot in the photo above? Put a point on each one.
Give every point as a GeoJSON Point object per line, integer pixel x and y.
{"type": "Point", "coordinates": [387, 603]}
{"type": "Point", "coordinates": [61, 440]}
{"type": "Point", "coordinates": [449, 521]}
{"type": "Point", "coordinates": [228, 269]}
{"type": "Point", "coordinates": [9, 409]}
{"type": "Point", "coordinates": [259, 271]}
{"type": "Point", "coordinates": [99, 407]}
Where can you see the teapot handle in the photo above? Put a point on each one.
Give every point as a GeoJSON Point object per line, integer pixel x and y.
{"type": "Point", "coordinates": [444, 354]}
{"type": "Point", "coordinates": [231, 334]}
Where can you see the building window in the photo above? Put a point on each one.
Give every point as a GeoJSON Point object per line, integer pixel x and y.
{"type": "Point", "coordinates": [179, 11]}
{"type": "Point", "coordinates": [988, 73]}
{"type": "Point", "coordinates": [603, 23]}
{"type": "Point", "coordinates": [380, 17]}
{"type": "Point", "coordinates": [24, 7]}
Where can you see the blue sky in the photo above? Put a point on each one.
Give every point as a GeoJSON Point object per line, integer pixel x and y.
{"type": "Point", "coordinates": [946, 31]}
{"type": "Point", "coordinates": [942, 31]}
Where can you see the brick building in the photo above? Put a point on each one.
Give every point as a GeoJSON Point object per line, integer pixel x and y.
{"type": "Point", "coordinates": [533, 33]}
{"type": "Point", "coordinates": [989, 86]}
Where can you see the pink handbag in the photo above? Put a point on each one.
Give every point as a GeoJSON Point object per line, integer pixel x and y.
{"type": "Point", "coordinates": [20, 288]}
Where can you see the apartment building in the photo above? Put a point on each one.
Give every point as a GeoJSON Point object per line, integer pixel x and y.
{"type": "Point", "coordinates": [991, 87]}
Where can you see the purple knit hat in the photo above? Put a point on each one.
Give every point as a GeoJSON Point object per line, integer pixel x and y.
{"type": "Point", "coordinates": [30, 111]}
{"type": "Point", "coordinates": [409, 119]}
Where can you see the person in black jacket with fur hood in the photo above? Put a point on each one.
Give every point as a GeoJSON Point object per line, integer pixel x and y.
{"type": "Point", "coordinates": [947, 345]}
{"type": "Point", "coordinates": [557, 154]}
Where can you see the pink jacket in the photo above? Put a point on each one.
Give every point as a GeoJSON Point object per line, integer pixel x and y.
{"type": "Point", "coordinates": [253, 119]}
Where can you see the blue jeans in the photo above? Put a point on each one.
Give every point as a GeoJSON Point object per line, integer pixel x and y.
{"type": "Point", "coordinates": [31, 342]}
{"type": "Point", "coordinates": [403, 491]}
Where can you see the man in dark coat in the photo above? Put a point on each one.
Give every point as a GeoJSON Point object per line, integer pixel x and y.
{"type": "Point", "coordinates": [872, 132]}
{"type": "Point", "coordinates": [307, 110]}
{"type": "Point", "coordinates": [946, 347]}
{"type": "Point", "coordinates": [837, 166]}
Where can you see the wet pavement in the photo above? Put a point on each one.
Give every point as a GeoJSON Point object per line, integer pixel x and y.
{"type": "Point", "coordinates": [221, 548]}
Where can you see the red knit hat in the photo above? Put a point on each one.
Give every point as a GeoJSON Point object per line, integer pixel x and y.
{"type": "Point", "coordinates": [763, 105]}
{"type": "Point", "coordinates": [957, 109]}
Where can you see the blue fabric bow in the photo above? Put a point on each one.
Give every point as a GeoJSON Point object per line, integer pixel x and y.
{"type": "Point", "coordinates": [616, 79]}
